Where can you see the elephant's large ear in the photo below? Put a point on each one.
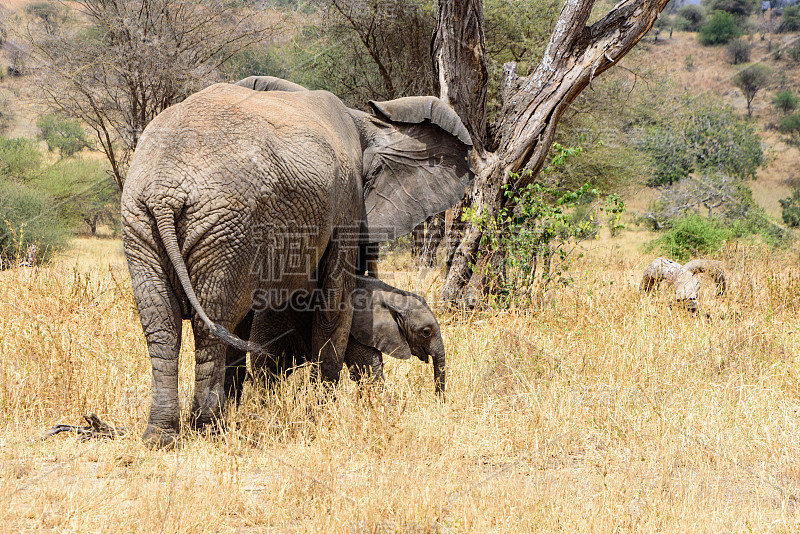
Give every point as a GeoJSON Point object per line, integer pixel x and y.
{"type": "Point", "coordinates": [379, 325]}
{"type": "Point", "coordinates": [269, 83]}
{"type": "Point", "coordinates": [415, 165]}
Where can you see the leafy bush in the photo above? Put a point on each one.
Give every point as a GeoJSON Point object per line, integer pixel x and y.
{"type": "Point", "coordinates": [785, 101]}
{"type": "Point", "coordinates": [62, 134]}
{"type": "Point", "coordinates": [790, 19]}
{"type": "Point", "coordinates": [720, 28]}
{"type": "Point", "coordinates": [19, 157]}
{"type": "Point", "coordinates": [693, 235]}
{"type": "Point", "coordinates": [6, 111]}
{"type": "Point", "coordinates": [703, 136]}
{"type": "Point", "coordinates": [689, 237]}
{"type": "Point", "coordinates": [83, 192]}
{"type": "Point", "coordinates": [531, 241]}
{"type": "Point", "coordinates": [737, 51]}
{"type": "Point", "coordinates": [791, 209]}
{"type": "Point", "coordinates": [790, 124]}
{"type": "Point", "coordinates": [26, 219]}
{"type": "Point", "coordinates": [690, 18]}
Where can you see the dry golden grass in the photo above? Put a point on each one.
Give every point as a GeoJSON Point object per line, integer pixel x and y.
{"type": "Point", "coordinates": [606, 410]}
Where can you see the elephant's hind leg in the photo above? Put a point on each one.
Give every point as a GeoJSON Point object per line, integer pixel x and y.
{"type": "Point", "coordinates": [334, 311]}
{"type": "Point", "coordinates": [160, 314]}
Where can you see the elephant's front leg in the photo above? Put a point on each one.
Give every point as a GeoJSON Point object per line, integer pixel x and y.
{"type": "Point", "coordinates": [365, 363]}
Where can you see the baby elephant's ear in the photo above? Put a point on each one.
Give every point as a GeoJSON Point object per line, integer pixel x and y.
{"type": "Point", "coordinates": [379, 326]}
{"type": "Point", "coordinates": [415, 165]}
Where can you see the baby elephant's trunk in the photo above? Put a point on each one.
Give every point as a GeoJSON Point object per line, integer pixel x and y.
{"type": "Point", "coordinates": [438, 369]}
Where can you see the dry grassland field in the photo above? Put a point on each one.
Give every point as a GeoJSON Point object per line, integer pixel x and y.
{"type": "Point", "coordinates": [604, 410]}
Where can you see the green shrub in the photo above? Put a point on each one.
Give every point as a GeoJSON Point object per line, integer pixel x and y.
{"type": "Point", "coordinates": [6, 111]}
{"type": "Point", "coordinates": [19, 157]}
{"type": "Point", "coordinates": [790, 124]}
{"type": "Point", "coordinates": [737, 51]}
{"type": "Point", "coordinates": [62, 134]}
{"type": "Point", "coordinates": [83, 191]}
{"type": "Point", "coordinates": [691, 236]}
{"type": "Point", "coordinates": [790, 19]}
{"type": "Point", "coordinates": [720, 28]}
{"type": "Point", "coordinates": [785, 101]}
{"type": "Point", "coordinates": [27, 218]}
{"type": "Point", "coordinates": [690, 18]}
{"type": "Point", "coordinates": [791, 209]}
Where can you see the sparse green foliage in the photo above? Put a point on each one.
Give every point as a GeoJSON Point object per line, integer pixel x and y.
{"type": "Point", "coordinates": [532, 244]}
{"type": "Point", "coordinates": [6, 111]}
{"type": "Point", "coordinates": [19, 158]}
{"type": "Point", "coordinates": [690, 18]}
{"type": "Point", "coordinates": [704, 137]}
{"type": "Point", "coordinates": [367, 51]}
{"type": "Point", "coordinates": [720, 28]}
{"type": "Point", "coordinates": [750, 81]}
{"type": "Point", "coordinates": [26, 218]}
{"type": "Point", "coordinates": [689, 237]}
{"type": "Point", "coordinates": [791, 208]}
{"type": "Point", "coordinates": [785, 101]}
{"type": "Point", "coordinates": [62, 134]}
{"type": "Point", "coordinates": [83, 192]}
{"type": "Point", "coordinates": [737, 51]}
{"type": "Point", "coordinates": [790, 19]}
{"type": "Point", "coordinates": [790, 124]}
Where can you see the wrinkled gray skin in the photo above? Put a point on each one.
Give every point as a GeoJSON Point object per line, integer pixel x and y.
{"type": "Point", "coordinates": [259, 190]}
{"type": "Point", "coordinates": [386, 320]}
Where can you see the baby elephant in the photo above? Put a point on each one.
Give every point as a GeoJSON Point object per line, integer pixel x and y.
{"type": "Point", "coordinates": [386, 320]}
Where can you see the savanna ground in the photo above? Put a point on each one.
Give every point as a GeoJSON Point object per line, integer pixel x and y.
{"type": "Point", "coordinates": [603, 410]}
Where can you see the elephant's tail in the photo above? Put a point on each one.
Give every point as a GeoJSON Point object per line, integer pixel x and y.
{"type": "Point", "coordinates": [166, 228]}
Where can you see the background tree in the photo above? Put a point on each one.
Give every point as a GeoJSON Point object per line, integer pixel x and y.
{"type": "Point", "coordinates": [690, 18]}
{"type": "Point", "coordinates": [750, 81]}
{"type": "Point", "coordinates": [701, 137]}
{"type": "Point", "coordinates": [367, 50]}
{"type": "Point", "coordinates": [790, 19]}
{"type": "Point", "coordinates": [124, 61]}
{"type": "Point", "coordinates": [62, 134]}
{"type": "Point", "coordinates": [740, 8]}
{"type": "Point", "coordinates": [720, 28]}
{"type": "Point", "coordinates": [531, 104]}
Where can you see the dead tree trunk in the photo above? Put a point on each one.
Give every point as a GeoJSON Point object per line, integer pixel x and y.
{"type": "Point", "coordinates": [531, 105]}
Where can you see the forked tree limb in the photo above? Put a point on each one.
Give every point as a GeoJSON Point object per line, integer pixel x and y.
{"type": "Point", "coordinates": [712, 268]}
{"type": "Point", "coordinates": [683, 278]}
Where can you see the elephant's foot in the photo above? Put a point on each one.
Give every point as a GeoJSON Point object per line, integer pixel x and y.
{"type": "Point", "coordinates": [159, 438]}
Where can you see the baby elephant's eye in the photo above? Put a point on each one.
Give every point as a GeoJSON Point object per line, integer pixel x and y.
{"type": "Point", "coordinates": [427, 331]}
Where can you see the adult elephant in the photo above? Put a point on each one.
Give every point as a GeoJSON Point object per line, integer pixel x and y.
{"type": "Point", "coordinates": [262, 190]}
